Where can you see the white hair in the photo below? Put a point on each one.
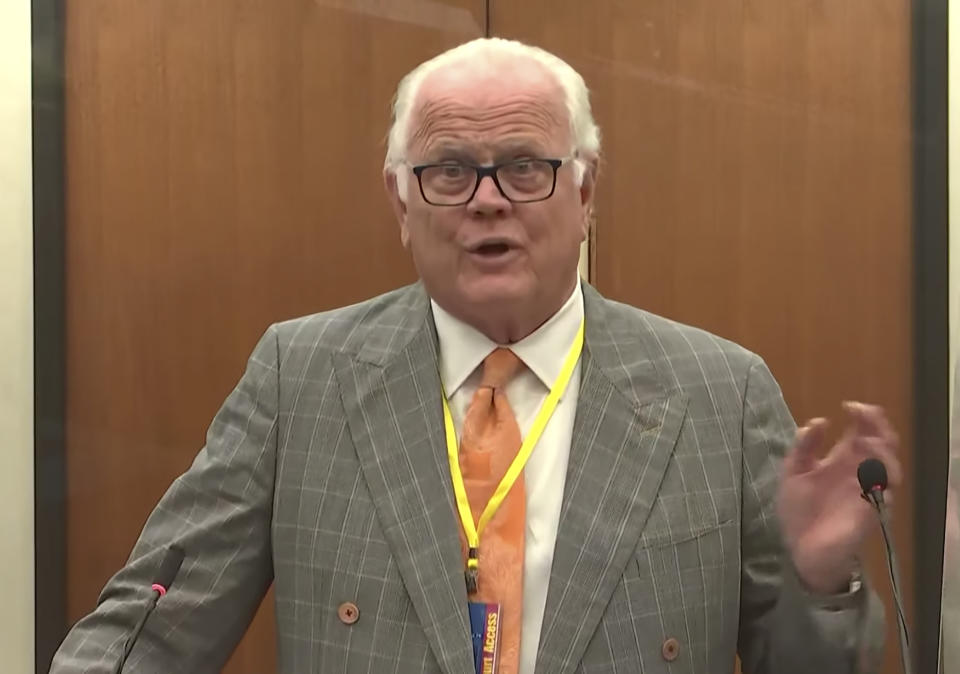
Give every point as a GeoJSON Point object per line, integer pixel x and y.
{"type": "Point", "coordinates": [583, 128]}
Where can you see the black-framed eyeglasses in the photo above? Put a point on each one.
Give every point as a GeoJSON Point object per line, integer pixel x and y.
{"type": "Point", "coordinates": [453, 183]}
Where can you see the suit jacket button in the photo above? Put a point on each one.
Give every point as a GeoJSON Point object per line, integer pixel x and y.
{"type": "Point", "coordinates": [348, 613]}
{"type": "Point", "coordinates": [671, 649]}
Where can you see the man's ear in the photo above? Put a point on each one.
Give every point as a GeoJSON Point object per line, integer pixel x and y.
{"type": "Point", "coordinates": [589, 181]}
{"type": "Point", "coordinates": [397, 203]}
{"type": "Point", "coordinates": [588, 184]}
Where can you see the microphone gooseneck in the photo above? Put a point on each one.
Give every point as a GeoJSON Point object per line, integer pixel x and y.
{"type": "Point", "coordinates": [166, 573]}
{"type": "Point", "coordinates": [872, 475]}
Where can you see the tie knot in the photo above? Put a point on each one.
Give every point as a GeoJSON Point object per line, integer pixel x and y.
{"type": "Point", "coordinates": [499, 368]}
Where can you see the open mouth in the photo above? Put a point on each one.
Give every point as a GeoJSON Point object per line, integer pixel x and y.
{"type": "Point", "coordinates": [491, 249]}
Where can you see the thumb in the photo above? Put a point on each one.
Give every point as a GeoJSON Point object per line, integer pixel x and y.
{"type": "Point", "coordinates": [805, 453]}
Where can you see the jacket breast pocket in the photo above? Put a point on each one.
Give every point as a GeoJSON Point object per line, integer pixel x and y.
{"type": "Point", "coordinates": [683, 581]}
{"type": "Point", "coordinates": [681, 517]}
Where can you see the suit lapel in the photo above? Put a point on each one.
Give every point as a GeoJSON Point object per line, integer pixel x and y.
{"type": "Point", "coordinates": [393, 407]}
{"type": "Point", "coordinates": [626, 427]}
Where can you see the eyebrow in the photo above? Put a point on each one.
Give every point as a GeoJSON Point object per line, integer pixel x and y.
{"type": "Point", "coordinates": [446, 151]}
{"type": "Point", "coordinates": [515, 147]}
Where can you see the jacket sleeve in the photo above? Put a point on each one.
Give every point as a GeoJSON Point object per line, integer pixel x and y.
{"type": "Point", "coordinates": [783, 628]}
{"type": "Point", "coordinates": [219, 512]}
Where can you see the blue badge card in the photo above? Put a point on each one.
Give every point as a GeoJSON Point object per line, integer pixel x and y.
{"type": "Point", "coordinates": [485, 633]}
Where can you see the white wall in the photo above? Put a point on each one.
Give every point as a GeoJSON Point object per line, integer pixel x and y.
{"type": "Point", "coordinates": [950, 618]}
{"type": "Point", "coordinates": [16, 342]}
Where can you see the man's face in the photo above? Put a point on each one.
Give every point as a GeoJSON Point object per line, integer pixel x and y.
{"type": "Point", "coordinates": [491, 254]}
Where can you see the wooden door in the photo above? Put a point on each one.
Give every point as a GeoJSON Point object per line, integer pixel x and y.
{"type": "Point", "coordinates": [223, 170]}
{"type": "Point", "coordinates": [756, 183]}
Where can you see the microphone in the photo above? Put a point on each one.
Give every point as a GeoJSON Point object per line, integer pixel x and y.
{"type": "Point", "coordinates": [169, 567]}
{"type": "Point", "coordinates": [872, 475]}
{"type": "Point", "coordinates": [873, 480]}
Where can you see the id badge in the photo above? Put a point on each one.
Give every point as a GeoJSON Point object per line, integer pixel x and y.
{"type": "Point", "coordinates": [485, 633]}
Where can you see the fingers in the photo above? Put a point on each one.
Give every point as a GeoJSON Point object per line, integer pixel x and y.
{"type": "Point", "coordinates": [806, 447]}
{"type": "Point", "coordinates": [874, 437]}
{"type": "Point", "coordinates": [870, 420]}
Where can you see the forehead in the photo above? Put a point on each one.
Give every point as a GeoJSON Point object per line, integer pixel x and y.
{"type": "Point", "coordinates": [490, 106]}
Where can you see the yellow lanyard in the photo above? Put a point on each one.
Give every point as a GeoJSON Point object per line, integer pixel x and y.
{"type": "Point", "coordinates": [472, 531]}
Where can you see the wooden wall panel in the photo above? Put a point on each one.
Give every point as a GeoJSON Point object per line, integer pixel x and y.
{"type": "Point", "coordinates": [756, 182]}
{"type": "Point", "coordinates": [223, 171]}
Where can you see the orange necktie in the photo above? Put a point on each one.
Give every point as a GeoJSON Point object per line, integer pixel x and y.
{"type": "Point", "coordinates": [490, 442]}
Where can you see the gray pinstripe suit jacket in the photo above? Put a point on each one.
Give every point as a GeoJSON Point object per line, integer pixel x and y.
{"type": "Point", "coordinates": [325, 472]}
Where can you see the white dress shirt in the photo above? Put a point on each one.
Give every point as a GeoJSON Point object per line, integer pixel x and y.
{"type": "Point", "coordinates": [462, 350]}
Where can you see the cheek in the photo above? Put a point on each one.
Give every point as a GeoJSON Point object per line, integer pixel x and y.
{"type": "Point", "coordinates": [429, 230]}
{"type": "Point", "coordinates": [561, 226]}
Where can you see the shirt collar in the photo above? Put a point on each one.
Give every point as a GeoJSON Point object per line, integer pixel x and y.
{"type": "Point", "coordinates": [463, 347]}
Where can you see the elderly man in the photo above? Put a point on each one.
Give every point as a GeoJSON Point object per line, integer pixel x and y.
{"type": "Point", "coordinates": [496, 465]}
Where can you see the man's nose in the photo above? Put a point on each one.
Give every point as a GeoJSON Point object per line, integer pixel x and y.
{"type": "Point", "coordinates": [488, 200]}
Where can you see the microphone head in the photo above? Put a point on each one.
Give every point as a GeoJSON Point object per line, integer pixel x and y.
{"type": "Point", "coordinates": [169, 567]}
{"type": "Point", "coordinates": [872, 475]}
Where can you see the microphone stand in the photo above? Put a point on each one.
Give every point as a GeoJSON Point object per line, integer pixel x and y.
{"type": "Point", "coordinates": [132, 639]}
{"type": "Point", "coordinates": [169, 567]}
{"type": "Point", "coordinates": [877, 501]}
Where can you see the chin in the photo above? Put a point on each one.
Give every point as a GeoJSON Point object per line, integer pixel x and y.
{"type": "Point", "coordinates": [497, 291]}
